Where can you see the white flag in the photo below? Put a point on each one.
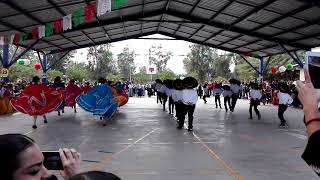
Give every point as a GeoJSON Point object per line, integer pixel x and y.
{"type": "Point", "coordinates": [1, 41]}
{"type": "Point", "coordinates": [10, 40]}
{"type": "Point", "coordinates": [67, 22]}
{"type": "Point", "coordinates": [42, 31]}
{"type": "Point", "coordinates": [104, 6]}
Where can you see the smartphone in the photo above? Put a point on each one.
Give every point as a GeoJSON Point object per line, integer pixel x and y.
{"type": "Point", "coordinates": [313, 61]}
{"type": "Point", "coordinates": [52, 160]}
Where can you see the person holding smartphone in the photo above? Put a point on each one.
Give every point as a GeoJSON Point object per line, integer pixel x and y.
{"type": "Point", "coordinates": [309, 98]}
{"type": "Point", "coordinates": [21, 159]}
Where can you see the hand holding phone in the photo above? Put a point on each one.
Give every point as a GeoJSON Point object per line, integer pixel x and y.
{"type": "Point", "coordinates": [313, 65]}
{"type": "Point", "coordinates": [52, 160]}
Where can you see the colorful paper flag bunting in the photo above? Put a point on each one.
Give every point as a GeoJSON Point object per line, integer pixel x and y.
{"type": "Point", "coordinates": [104, 6]}
{"type": "Point", "coordinates": [67, 22]}
{"type": "Point", "coordinates": [42, 31]}
{"type": "Point", "coordinates": [119, 3]}
{"type": "Point", "coordinates": [35, 33]}
{"type": "Point", "coordinates": [77, 17]}
{"type": "Point", "coordinates": [58, 26]}
{"type": "Point", "coordinates": [49, 29]}
{"type": "Point", "coordinates": [89, 11]}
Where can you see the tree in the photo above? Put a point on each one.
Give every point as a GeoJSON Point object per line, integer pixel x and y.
{"type": "Point", "coordinates": [114, 77]}
{"type": "Point", "coordinates": [142, 75]}
{"type": "Point", "coordinates": [101, 62]}
{"type": "Point", "coordinates": [200, 62]}
{"type": "Point", "coordinates": [125, 62]}
{"type": "Point", "coordinates": [221, 66]}
{"type": "Point", "coordinates": [77, 71]}
{"type": "Point", "coordinates": [54, 73]}
{"type": "Point", "coordinates": [158, 57]}
{"type": "Point", "coordinates": [63, 63]}
{"type": "Point", "coordinates": [167, 74]}
{"type": "Point", "coordinates": [23, 72]}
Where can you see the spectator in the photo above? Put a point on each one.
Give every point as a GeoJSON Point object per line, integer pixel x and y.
{"type": "Point", "coordinates": [307, 95]}
{"type": "Point", "coordinates": [21, 159]}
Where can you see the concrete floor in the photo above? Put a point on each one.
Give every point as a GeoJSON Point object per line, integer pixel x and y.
{"type": "Point", "coordinates": [141, 142]}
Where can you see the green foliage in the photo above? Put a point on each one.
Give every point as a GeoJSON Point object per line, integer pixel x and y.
{"type": "Point", "coordinates": [245, 72]}
{"type": "Point", "coordinates": [101, 62]}
{"type": "Point", "coordinates": [167, 74]}
{"type": "Point", "coordinates": [23, 72]}
{"type": "Point", "coordinates": [142, 76]}
{"type": "Point", "coordinates": [125, 62]}
{"type": "Point", "coordinates": [158, 57]}
{"type": "Point", "coordinates": [220, 79]}
{"type": "Point", "coordinates": [51, 74]}
{"type": "Point", "coordinates": [77, 71]}
{"type": "Point", "coordinates": [62, 64]}
{"type": "Point", "coordinates": [114, 77]}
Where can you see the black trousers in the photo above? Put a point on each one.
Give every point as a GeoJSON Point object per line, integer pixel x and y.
{"type": "Point", "coordinates": [179, 110]}
{"type": "Point", "coordinates": [254, 104]}
{"type": "Point", "coordinates": [282, 108]}
{"type": "Point", "coordinates": [217, 99]}
{"type": "Point", "coordinates": [187, 109]}
{"type": "Point", "coordinates": [171, 105]}
{"type": "Point", "coordinates": [227, 102]}
{"type": "Point", "coordinates": [164, 98]}
{"type": "Point", "coordinates": [204, 98]}
{"type": "Point", "coordinates": [234, 99]}
{"type": "Point", "coordinates": [159, 94]}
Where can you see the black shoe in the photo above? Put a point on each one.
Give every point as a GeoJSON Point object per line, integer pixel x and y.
{"type": "Point", "coordinates": [45, 121]}
{"type": "Point", "coordinates": [226, 110]}
{"type": "Point", "coordinates": [179, 127]}
{"type": "Point", "coordinates": [190, 129]}
{"type": "Point", "coordinates": [62, 111]}
{"type": "Point", "coordinates": [250, 118]}
{"type": "Point", "coordinates": [59, 114]}
{"type": "Point", "coordinates": [104, 124]}
{"type": "Point", "coordinates": [282, 125]}
{"type": "Point", "coordinates": [34, 127]}
{"type": "Point", "coordinates": [259, 117]}
{"type": "Point", "coordinates": [100, 118]}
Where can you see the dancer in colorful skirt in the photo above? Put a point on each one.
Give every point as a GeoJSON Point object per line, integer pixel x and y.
{"type": "Point", "coordinates": [99, 100]}
{"type": "Point", "coordinates": [72, 91]}
{"type": "Point", "coordinates": [59, 86]}
{"type": "Point", "coordinates": [37, 100]}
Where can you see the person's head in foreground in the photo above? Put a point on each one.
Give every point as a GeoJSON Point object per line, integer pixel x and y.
{"type": "Point", "coordinates": [21, 159]}
{"type": "Point", "coordinates": [95, 175]}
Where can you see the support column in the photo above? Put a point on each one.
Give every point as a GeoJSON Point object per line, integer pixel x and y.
{"type": "Point", "coordinates": [261, 69]}
{"type": "Point", "coordinates": [5, 59]}
{"type": "Point", "coordinates": [44, 69]}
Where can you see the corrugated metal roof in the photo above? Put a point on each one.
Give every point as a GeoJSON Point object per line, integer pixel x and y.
{"type": "Point", "coordinates": [240, 26]}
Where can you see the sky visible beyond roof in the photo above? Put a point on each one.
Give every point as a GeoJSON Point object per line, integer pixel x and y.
{"type": "Point", "coordinates": [141, 47]}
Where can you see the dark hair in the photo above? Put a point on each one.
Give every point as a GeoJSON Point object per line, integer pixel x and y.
{"type": "Point", "coordinates": [72, 81]}
{"type": "Point", "coordinates": [57, 79]}
{"type": "Point", "coordinates": [95, 175]}
{"type": "Point", "coordinates": [11, 145]}
{"type": "Point", "coordinates": [102, 80]}
{"type": "Point", "coordinates": [35, 79]}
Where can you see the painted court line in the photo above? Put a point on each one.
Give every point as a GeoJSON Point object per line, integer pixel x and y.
{"type": "Point", "coordinates": [223, 164]}
{"type": "Point", "coordinates": [107, 158]}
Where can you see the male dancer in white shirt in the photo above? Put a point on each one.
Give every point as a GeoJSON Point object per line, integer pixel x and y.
{"type": "Point", "coordinates": [235, 88]}
{"type": "Point", "coordinates": [284, 100]}
{"type": "Point", "coordinates": [189, 99]}
{"type": "Point", "coordinates": [177, 98]}
{"type": "Point", "coordinates": [255, 96]}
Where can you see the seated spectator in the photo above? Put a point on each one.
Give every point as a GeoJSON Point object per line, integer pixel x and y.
{"type": "Point", "coordinates": [95, 175]}
{"type": "Point", "coordinates": [21, 159]}
{"type": "Point", "coordinates": [307, 95]}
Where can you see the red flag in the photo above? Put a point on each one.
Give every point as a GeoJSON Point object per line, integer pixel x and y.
{"type": "Point", "coordinates": [16, 39]}
{"type": "Point", "coordinates": [58, 26]}
{"type": "Point", "coordinates": [5, 40]}
{"type": "Point", "coordinates": [89, 11]}
{"type": "Point", "coordinates": [35, 33]}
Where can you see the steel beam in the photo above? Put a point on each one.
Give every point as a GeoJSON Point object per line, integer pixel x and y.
{"type": "Point", "coordinates": [254, 68]}
{"type": "Point", "coordinates": [294, 58]}
{"type": "Point", "coordinates": [55, 62]}
{"type": "Point", "coordinates": [166, 9]}
{"type": "Point", "coordinates": [23, 52]}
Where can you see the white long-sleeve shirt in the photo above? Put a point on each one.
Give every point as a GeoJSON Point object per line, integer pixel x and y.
{"type": "Point", "coordinates": [163, 89]}
{"type": "Point", "coordinates": [177, 95]}
{"type": "Point", "coordinates": [189, 96]}
{"type": "Point", "coordinates": [169, 92]}
{"type": "Point", "coordinates": [235, 88]}
{"type": "Point", "coordinates": [284, 98]}
{"type": "Point", "coordinates": [226, 93]}
{"type": "Point", "coordinates": [217, 91]}
{"type": "Point", "coordinates": [255, 94]}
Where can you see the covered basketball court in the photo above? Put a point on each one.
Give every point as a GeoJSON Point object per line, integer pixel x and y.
{"type": "Point", "coordinates": [141, 142]}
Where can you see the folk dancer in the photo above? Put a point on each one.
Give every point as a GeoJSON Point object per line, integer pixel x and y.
{"type": "Point", "coordinates": [255, 96]}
